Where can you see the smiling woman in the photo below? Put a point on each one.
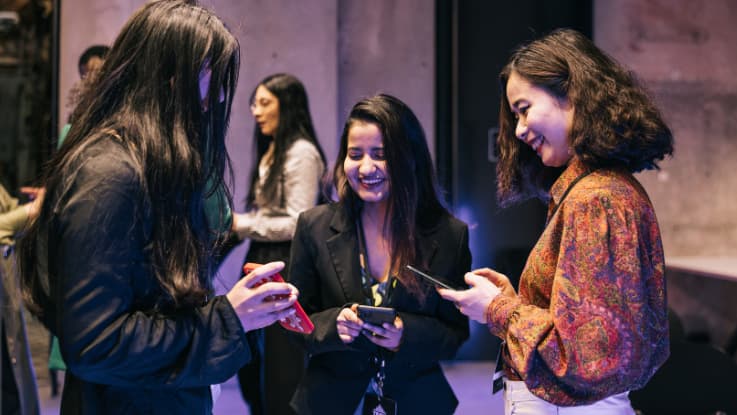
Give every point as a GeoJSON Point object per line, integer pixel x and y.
{"type": "Point", "coordinates": [354, 252]}
{"type": "Point", "coordinates": [365, 164]}
{"type": "Point", "coordinates": [543, 120]}
{"type": "Point", "coordinates": [589, 323]}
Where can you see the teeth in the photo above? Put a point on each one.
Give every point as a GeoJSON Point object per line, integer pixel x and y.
{"type": "Point", "coordinates": [371, 181]}
{"type": "Point", "coordinates": [535, 144]}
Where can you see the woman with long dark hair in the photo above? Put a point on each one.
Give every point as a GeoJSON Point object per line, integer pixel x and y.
{"type": "Point", "coordinates": [590, 321]}
{"type": "Point", "coordinates": [354, 252]}
{"type": "Point", "coordinates": [118, 264]}
{"type": "Point", "coordinates": [285, 181]}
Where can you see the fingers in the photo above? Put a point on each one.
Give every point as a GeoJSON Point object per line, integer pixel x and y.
{"type": "Point", "coordinates": [262, 272]}
{"type": "Point", "coordinates": [387, 335]}
{"type": "Point", "coordinates": [348, 324]}
{"type": "Point", "coordinates": [473, 279]}
{"type": "Point", "coordinates": [495, 277]}
{"type": "Point", "coordinates": [450, 295]}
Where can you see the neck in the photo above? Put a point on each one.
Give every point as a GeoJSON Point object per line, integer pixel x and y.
{"type": "Point", "coordinates": [373, 214]}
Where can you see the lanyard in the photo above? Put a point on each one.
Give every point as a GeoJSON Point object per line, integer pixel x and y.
{"type": "Point", "coordinates": [568, 190]}
{"type": "Point", "coordinates": [367, 280]}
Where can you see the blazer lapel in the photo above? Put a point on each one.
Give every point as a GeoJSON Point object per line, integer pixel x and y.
{"type": "Point", "coordinates": [343, 249]}
{"type": "Point", "coordinates": [428, 246]}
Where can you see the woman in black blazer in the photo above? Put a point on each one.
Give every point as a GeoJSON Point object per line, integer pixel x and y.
{"type": "Point", "coordinates": [355, 251]}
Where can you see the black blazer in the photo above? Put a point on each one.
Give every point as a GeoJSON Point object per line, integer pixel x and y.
{"type": "Point", "coordinates": [325, 268]}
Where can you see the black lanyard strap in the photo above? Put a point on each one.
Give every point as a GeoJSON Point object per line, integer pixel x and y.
{"type": "Point", "coordinates": [367, 280]}
{"type": "Point", "coordinates": [568, 190]}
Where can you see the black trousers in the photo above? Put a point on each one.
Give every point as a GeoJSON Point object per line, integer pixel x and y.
{"type": "Point", "coordinates": [277, 364]}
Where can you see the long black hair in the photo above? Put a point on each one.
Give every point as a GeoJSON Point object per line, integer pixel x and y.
{"type": "Point", "coordinates": [147, 95]}
{"type": "Point", "coordinates": [295, 123]}
{"type": "Point", "coordinates": [615, 123]}
{"type": "Point", "coordinates": [413, 203]}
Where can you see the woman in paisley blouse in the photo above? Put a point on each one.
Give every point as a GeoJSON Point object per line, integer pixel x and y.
{"type": "Point", "coordinates": [589, 320]}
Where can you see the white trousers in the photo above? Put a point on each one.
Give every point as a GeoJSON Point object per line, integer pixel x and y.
{"type": "Point", "coordinates": [518, 400]}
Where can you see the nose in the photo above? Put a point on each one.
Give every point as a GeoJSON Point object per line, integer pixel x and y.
{"type": "Point", "coordinates": [366, 165]}
{"type": "Point", "coordinates": [255, 110]}
{"type": "Point", "coordinates": [521, 129]}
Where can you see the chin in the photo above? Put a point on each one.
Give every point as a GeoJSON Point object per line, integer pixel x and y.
{"type": "Point", "coordinates": [374, 197]}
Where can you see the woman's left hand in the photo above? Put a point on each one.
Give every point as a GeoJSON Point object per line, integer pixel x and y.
{"type": "Point", "coordinates": [388, 335]}
{"type": "Point", "coordinates": [474, 301]}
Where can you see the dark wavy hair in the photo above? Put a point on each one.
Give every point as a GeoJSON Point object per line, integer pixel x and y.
{"type": "Point", "coordinates": [615, 123]}
{"type": "Point", "coordinates": [147, 94]}
{"type": "Point", "coordinates": [295, 123]}
{"type": "Point", "coordinates": [414, 202]}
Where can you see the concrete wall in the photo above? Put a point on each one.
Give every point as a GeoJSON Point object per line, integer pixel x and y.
{"type": "Point", "coordinates": [684, 51]}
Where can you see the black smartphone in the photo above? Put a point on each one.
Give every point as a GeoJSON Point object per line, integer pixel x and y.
{"type": "Point", "coordinates": [434, 281]}
{"type": "Point", "coordinates": [376, 315]}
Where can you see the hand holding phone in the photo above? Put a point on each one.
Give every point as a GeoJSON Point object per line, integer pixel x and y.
{"type": "Point", "coordinates": [376, 315]}
{"type": "Point", "coordinates": [434, 281]}
{"type": "Point", "coordinates": [299, 321]}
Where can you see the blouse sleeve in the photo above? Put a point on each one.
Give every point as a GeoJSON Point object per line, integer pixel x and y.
{"type": "Point", "coordinates": [603, 333]}
{"type": "Point", "coordinates": [102, 281]}
{"type": "Point", "coordinates": [303, 171]}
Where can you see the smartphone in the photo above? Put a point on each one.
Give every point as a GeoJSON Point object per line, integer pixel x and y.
{"type": "Point", "coordinates": [299, 321]}
{"type": "Point", "coordinates": [376, 315]}
{"type": "Point", "coordinates": [434, 281]}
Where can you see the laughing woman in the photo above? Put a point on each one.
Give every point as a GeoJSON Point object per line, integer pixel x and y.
{"type": "Point", "coordinates": [590, 322]}
{"type": "Point", "coordinates": [353, 252]}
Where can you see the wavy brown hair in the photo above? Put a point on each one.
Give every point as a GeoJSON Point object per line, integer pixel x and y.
{"type": "Point", "coordinates": [615, 123]}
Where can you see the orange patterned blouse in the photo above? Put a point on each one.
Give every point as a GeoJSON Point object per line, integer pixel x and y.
{"type": "Point", "coordinates": [590, 319]}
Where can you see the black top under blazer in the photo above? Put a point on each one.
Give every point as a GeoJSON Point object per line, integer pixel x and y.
{"type": "Point", "coordinates": [326, 270]}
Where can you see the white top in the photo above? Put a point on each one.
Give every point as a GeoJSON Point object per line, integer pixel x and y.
{"type": "Point", "coordinates": [303, 170]}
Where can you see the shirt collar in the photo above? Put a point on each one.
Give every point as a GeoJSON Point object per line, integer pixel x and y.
{"type": "Point", "coordinates": [574, 169]}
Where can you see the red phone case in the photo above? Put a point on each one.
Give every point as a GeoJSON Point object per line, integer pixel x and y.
{"type": "Point", "coordinates": [299, 321]}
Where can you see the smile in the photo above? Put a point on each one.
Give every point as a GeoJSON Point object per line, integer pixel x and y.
{"type": "Point", "coordinates": [371, 181]}
{"type": "Point", "coordinates": [537, 142]}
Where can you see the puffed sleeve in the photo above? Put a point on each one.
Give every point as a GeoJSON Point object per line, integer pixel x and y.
{"type": "Point", "coordinates": [99, 261]}
{"type": "Point", "coordinates": [606, 329]}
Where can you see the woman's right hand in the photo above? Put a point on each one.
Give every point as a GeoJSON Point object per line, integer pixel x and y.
{"type": "Point", "coordinates": [348, 324]}
{"type": "Point", "coordinates": [251, 304]}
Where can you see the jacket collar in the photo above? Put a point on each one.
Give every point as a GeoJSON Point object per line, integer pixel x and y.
{"type": "Point", "coordinates": [343, 249]}
{"type": "Point", "coordinates": [574, 169]}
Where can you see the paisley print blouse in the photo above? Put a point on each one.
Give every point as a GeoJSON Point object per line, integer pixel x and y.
{"type": "Point", "coordinates": [590, 319]}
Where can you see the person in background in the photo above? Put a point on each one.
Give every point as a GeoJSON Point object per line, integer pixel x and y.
{"type": "Point", "coordinates": [118, 264]}
{"type": "Point", "coordinates": [89, 61]}
{"type": "Point", "coordinates": [285, 180]}
{"type": "Point", "coordinates": [19, 393]}
{"type": "Point", "coordinates": [354, 252]}
{"type": "Point", "coordinates": [589, 322]}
